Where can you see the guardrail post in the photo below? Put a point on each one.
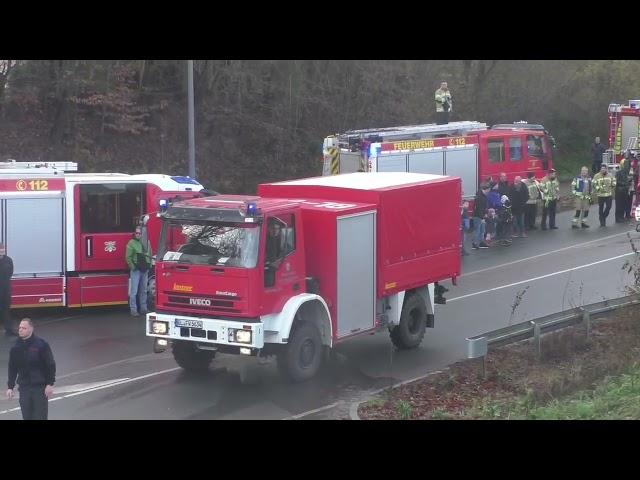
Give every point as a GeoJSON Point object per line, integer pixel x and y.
{"type": "Point", "coordinates": [586, 318]}
{"type": "Point", "coordinates": [536, 338]}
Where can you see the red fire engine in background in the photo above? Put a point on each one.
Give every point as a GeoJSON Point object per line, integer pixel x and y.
{"type": "Point", "coordinates": [355, 253]}
{"type": "Point", "coordinates": [624, 131]}
{"type": "Point", "coordinates": [468, 150]}
{"type": "Point", "coordinates": [67, 232]}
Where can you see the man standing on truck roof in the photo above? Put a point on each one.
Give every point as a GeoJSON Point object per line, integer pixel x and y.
{"type": "Point", "coordinates": [443, 104]}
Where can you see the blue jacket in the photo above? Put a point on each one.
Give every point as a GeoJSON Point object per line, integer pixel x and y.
{"type": "Point", "coordinates": [493, 200]}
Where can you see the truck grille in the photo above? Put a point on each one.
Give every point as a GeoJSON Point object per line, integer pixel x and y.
{"type": "Point", "coordinates": [205, 303]}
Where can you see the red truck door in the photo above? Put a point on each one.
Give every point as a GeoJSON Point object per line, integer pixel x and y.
{"type": "Point", "coordinates": [284, 275]}
{"type": "Point", "coordinates": [106, 216]}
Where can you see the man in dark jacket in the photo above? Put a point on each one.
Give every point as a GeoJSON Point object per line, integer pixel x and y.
{"type": "Point", "coordinates": [503, 185]}
{"type": "Point", "coordinates": [479, 213]}
{"type": "Point", "coordinates": [622, 189]}
{"type": "Point", "coordinates": [518, 194]}
{"type": "Point", "coordinates": [31, 363]}
{"type": "Point", "coordinates": [6, 272]}
{"type": "Point", "coordinates": [597, 149]}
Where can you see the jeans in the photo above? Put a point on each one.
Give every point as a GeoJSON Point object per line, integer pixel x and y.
{"type": "Point", "coordinates": [604, 206]}
{"type": "Point", "coordinates": [480, 227]}
{"type": "Point", "coordinates": [138, 285]}
{"type": "Point", "coordinates": [518, 223]}
{"type": "Point", "coordinates": [530, 212]}
{"type": "Point", "coordinates": [5, 303]}
{"type": "Point", "coordinates": [549, 210]}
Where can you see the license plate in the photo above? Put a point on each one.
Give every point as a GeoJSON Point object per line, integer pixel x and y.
{"type": "Point", "coordinates": [189, 323]}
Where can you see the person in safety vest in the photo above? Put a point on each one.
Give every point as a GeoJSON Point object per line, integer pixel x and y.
{"type": "Point", "coordinates": [531, 208]}
{"type": "Point", "coordinates": [550, 189]}
{"type": "Point", "coordinates": [604, 186]}
{"type": "Point", "coordinates": [581, 188]}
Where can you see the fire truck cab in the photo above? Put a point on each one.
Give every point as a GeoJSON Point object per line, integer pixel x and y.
{"type": "Point", "coordinates": [469, 150]}
{"type": "Point", "coordinates": [67, 232]}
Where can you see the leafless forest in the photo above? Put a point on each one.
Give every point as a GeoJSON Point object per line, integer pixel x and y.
{"type": "Point", "coordinates": [262, 120]}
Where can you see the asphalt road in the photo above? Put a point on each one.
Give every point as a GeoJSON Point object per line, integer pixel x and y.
{"type": "Point", "coordinates": [106, 369]}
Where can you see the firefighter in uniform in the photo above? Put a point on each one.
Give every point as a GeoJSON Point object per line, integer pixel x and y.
{"type": "Point", "coordinates": [604, 186]}
{"type": "Point", "coordinates": [581, 188]}
{"type": "Point", "coordinates": [530, 209]}
{"type": "Point", "coordinates": [550, 189]}
{"type": "Point", "coordinates": [443, 104]}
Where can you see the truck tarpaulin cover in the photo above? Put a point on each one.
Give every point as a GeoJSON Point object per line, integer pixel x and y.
{"type": "Point", "coordinates": [418, 225]}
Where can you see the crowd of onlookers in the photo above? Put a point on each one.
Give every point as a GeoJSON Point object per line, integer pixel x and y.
{"type": "Point", "coordinates": [505, 210]}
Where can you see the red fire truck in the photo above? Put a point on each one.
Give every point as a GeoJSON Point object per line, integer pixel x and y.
{"type": "Point", "coordinates": [303, 266]}
{"type": "Point", "coordinates": [624, 131]}
{"type": "Point", "coordinates": [67, 232]}
{"type": "Point", "coordinates": [468, 150]}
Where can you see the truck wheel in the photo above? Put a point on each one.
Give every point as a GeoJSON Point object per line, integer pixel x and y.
{"type": "Point", "coordinates": [300, 359]}
{"type": "Point", "coordinates": [151, 294]}
{"type": "Point", "coordinates": [413, 323]}
{"type": "Point", "coordinates": [190, 358]}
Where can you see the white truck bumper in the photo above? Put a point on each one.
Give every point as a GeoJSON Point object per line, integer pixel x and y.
{"type": "Point", "coordinates": [206, 330]}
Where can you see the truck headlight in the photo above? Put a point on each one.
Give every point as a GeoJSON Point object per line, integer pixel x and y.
{"type": "Point", "coordinates": [159, 328]}
{"type": "Point", "coordinates": [239, 336]}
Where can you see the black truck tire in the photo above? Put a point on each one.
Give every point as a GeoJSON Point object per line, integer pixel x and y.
{"type": "Point", "coordinates": [190, 358]}
{"type": "Point", "coordinates": [413, 323]}
{"type": "Point", "coordinates": [301, 358]}
{"type": "Point", "coordinates": [151, 293]}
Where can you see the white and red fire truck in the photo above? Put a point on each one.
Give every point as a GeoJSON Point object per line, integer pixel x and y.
{"type": "Point", "coordinates": [624, 131]}
{"type": "Point", "coordinates": [355, 253]}
{"type": "Point", "coordinates": [67, 232]}
{"type": "Point", "coordinates": [469, 150]}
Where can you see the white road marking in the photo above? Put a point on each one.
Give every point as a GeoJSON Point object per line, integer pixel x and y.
{"type": "Point", "coordinates": [551, 252]}
{"type": "Point", "coordinates": [86, 386]}
{"type": "Point", "coordinates": [116, 362]}
{"type": "Point", "coordinates": [540, 277]}
{"type": "Point", "coordinates": [102, 387]}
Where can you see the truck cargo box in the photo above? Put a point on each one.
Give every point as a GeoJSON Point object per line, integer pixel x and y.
{"type": "Point", "coordinates": [417, 224]}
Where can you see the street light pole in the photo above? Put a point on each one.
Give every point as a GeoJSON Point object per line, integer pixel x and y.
{"type": "Point", "coordinates": [192, 137]}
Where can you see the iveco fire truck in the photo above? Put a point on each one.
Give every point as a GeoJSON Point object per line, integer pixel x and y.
{"type": "Point", "coordinates": [303, 266]}
{"type": "Point", "coordinates": [67, 232]}
{"type": "Point", "coordinates": [469, 150]}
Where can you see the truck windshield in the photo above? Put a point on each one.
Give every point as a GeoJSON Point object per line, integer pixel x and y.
{"type": "Point", "coordinates": [224, 244]}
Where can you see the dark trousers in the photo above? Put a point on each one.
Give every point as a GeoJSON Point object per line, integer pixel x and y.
{"type": "Point", "coordinates": [5, 303]}
{"type": "Point", "coordinates": [34, 403]}
{"type": "Point", "coordinates": [604, 206]}
{"type": "Point", "coordinates": [621, 204]}
{"type": "Point", "coordinates": [530, 212]}
{"type": "Point", "coordinates": [549, 210]}
{"type": "Point", "coordinates": [442, 118]}
{"type": "Point", "coordinates": [629, 204]}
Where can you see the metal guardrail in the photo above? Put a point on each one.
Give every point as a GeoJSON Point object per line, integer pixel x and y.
{"type": "Point", "coordinates": [478, 346]}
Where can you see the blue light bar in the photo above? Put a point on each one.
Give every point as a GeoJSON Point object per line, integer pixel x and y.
{"type": "Point", "coordinates": [185, 180]}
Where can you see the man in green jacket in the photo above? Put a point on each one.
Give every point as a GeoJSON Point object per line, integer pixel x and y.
{"type": "Point", "coordinates": [604, 185]}
{"type": "Point", "coordinates": [139, 261]}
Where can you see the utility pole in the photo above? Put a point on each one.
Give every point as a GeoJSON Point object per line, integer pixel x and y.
{"type": "Point", "coordinates": [192, 137]}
